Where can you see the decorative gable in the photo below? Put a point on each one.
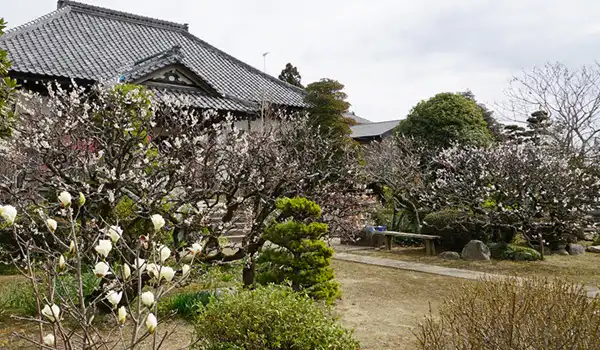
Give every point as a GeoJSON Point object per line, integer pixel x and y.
{"type": "Point", "coordinates": [172, 76]}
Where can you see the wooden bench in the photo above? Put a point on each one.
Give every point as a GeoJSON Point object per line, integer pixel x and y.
{"type": "Point", "coordinates": [429, 240]}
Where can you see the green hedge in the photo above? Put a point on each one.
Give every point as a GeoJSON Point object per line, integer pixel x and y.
{"type": "Point", "coordinates": [269, 318]}
{"type": "Point", "coordinates": [501, 251]}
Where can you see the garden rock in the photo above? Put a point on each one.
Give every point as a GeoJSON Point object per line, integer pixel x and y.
{"type": "Point", "coordinates": [594, 249]}
{"type": "Point", "coordinates": [476, 250]}
{"type": "Point", "coordinates": [450, 256]}
{"type": "Point", "coordinates": [576, 249]}
{"type": "Point", "coordinates": [561, 252]}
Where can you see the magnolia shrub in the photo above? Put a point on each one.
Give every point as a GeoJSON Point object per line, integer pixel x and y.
{"type": "Point", "coordinates": [146, 268]}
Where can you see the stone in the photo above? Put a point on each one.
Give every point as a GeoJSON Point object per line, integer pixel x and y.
{"type": "Point", "coordinates": [450, 256]}
{"type": "Point", "coordinates": [527, 255]}
{"type": "Point", "coordinates": [576, 249]}
{"type": "Point", "coordinates": [594, 249]}
{"type": "Point", "coordinates": [561, 252]}
{"type": "Point", "coordinates": [476, 250]}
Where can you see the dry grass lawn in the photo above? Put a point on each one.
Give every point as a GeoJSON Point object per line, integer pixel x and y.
{"type": "Point", "coordinates": [382, 304]}
{"type": "Point", "coordinates": [575, 268]}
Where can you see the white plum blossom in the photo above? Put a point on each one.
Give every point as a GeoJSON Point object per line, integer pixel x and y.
{"type": "Point", "coordinates": [104, 247]}
{"type": "Point", "coordinates": [65, 198]}
{"type": "Point", "coordinates": [101, 269]}
{"type": "Point", "coordinates": [81, 199]}
{"type": "Point", "coordinates": [151, 323]}
{"type": "Point", "coordinates": [158, 221]}
{"type": "Point", "coordinates": [185, 269]}
{"type": "Point", "coordinates": [9, 213]}
{"type": "Point", "coordinates": [52, 312]}
{"type": "Point", "coordinates": [72, 247]}
{"type": "Point", "coordinates": [147, 298]}
{"type": "Point", "coordinates": [114, 297]}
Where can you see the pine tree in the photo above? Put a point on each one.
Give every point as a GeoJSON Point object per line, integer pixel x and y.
{"type": "Point", "coordinates": [300, 256]}
{"type": "Point", "coordinates": [291, 75]}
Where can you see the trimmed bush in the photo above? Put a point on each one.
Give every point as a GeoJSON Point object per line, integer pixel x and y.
{"type": "Point", "coordinates": [516, 315]}
{"type": "Point", "coordinates": [514, 252]}
{"type": "Point", "coordinates": [300, 256]}
{"type": "Point", "coordinates": [456, 228]}
{"type": "Point", "coordinates": [186, 305]}
{"type": "Point", "coordinates": [269, 318]}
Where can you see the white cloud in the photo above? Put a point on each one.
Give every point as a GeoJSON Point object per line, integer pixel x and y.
{"type": "Point", "coordinates": [389, 53]}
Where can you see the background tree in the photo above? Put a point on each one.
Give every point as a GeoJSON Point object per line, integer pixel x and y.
{"type": "Point", "coordinates": [495, 128]}
{"type": "Point", "coordinates": [327, 106]}
{"type": "Point", "coordinates": [132, 155]}
{"type": "Point", "coordinates": [291, 75]}
{"type": "Point", "coordinates": [447, 118]}
{"type": "Point", "coordinates": [7, 90]}
{"type": "Point", "coordinates": [397, 169]}
{"type": "Point", "coordinates": [571, 97]}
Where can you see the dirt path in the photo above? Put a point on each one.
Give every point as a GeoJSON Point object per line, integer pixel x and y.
{"type": "Point", "coordinates": [384, 304]}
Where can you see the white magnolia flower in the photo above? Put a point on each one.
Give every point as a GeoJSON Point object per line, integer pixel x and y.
{"type": "Point", "coordinates": [122, 314]}
{"type": "Point", "coordinates": [9, 213]}
{"type": "Point", "coordinates": [81, 199]}
{"type": "Point", "coordinates": [185, 269]}
{"type": "Point", "coordinates": [101, 269]}
{"type": "Point", "coordinates": [52, 224]}
{"type": "Point", "coordinates": [104, 247]}
{"type": "Point", "coordinates": [49, 339]}
{"type": "Point", "coordinates": [147, 298]}
{"type": "Point", "coordinates": [152, 269]}
{"type": "Point", "coordinates": [151, 323]}
{"type": "Point", "coordinates": [196, 248]}
{"type": "Point", "coordinates": [126, 271]}
{"type": "Point", "coordinates": [114, 232]}
{"type": "Point", "coordinates": [72, 247]}
{"type": "Point", "coordinates": [51, 312]}
{"type": "Point", "coordinates": [139, 263]}
{"type": "Point", "coordinates": [61, 262]}
{"type": "Point", "coordinates": [65, 198]}
{"type": "Point", "coordinates": [158, 221]}
{"type": "Point", "coordinates": [114, 297]}
{"type": "Point", "coordinates": [164, 252]}
{"type": "Point", "coordinates": [167, 273]}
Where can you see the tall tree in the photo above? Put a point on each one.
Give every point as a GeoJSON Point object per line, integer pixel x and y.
{"type": "Point", "coordinates": [571, 99]}
{"type": "Point", "coordinates": [7, 89]}
{"type": "Point", "coordinates": [493, 126]}
{"type": "Point", "coordinates": [327, 105]}
{"type": "Point", "coordinates": [445, 119]}
{"type": "Point", "coordinates": [291, 75]}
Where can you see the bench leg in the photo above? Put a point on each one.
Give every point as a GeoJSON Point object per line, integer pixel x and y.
{"type": "Point", "coordinates": [432, 247]}
{"type": "Point", "coordinates": [427, 247]}
{"type": "Point", "coordinates": [388, 242]}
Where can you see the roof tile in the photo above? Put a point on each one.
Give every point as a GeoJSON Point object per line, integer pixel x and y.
{"type": "Point", "coordinates": [94, 43]}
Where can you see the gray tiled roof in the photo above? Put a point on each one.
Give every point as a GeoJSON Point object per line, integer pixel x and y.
{"type": "Point", "coordinates": [356, 118]}
{"type": "Point", "coordinates": [200, 100]}
{"type": "Point", "coordinates": [373, 129]}
{"type": "Point", "coordinates": [89, 42]}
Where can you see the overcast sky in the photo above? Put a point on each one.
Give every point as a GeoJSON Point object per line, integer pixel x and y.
{"type": "Point", "coordinates": [390, 54]}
